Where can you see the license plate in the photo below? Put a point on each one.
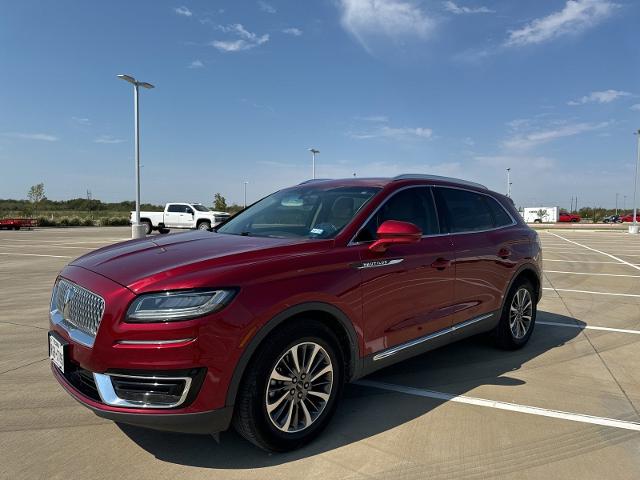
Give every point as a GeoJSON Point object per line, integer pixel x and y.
{"type": "Point", "coordinates": [56, 352]}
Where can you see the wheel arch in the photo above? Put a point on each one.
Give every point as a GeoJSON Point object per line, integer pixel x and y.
{"type": "Point", "coordinates": [331, 316]}
{"type": "Point", "coordinates": [529, 272]}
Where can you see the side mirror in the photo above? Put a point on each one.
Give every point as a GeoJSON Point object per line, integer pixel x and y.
{"type": "Point", "coordinates": [394, 232]}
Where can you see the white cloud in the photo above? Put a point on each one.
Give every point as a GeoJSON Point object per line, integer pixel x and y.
{"type": "Point", "coordinates": [374, 118]}
{"type": "Point", "coordinates": [81, 121]}
{"type": "Point", "coordinates": [451, 7]}
{"type": "Point", "coordinates": [184, 11]}
{"type": "Point", "coordinates": [265, 7]}
{"type": "Point", "coordinates": [246, 41]}
{"type": "Point", "coordinates": [605, 96]}
{"type": "Point", "coordinates": [576, 16]}
{"type": "Point", "coordinates": [196, 64]}
{"type": "Point", "coordinates": [393, 19]}
{"type": "Point", "coordinates": [395, 133]}
{"type": "Point", "coordinates": [43, 137]}
{"type": "Point", "coordinates": [635, 107]}
{"type": "Point", "coordinates": [524, 141]}
{"type": "Point", "coordinates": [108, 139]}
{"type": "Point", "coordinates": [296, 32]}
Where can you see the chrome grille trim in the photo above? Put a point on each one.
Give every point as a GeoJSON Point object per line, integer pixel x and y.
{"type": "Point", "coordinates": [77, 310]}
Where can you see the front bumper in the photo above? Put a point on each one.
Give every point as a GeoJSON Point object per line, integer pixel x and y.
{"type": "Point", "coordinates": [206, 422]}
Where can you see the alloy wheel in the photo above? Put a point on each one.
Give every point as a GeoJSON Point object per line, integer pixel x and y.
{"type": "Point", "coordinates": [520, 313]}
{"type": "Point", "coordinates": [299, 387]}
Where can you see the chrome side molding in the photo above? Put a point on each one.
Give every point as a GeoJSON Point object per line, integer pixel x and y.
{"type": "Point", "coordinates": [403, 346]}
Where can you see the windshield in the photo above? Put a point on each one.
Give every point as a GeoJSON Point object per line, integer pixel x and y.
{"type": "Point", "coordinates": [201, 208]}
{"type": "Point", "coordinates": [304, 212]}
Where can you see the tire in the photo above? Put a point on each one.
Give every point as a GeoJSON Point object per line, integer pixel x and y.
{"type": "Point", "coordinates": [513, 331]}
{"type": "Point", "coordinates": [204, 226]}
{"type": "Point", "coordinates": [574, 220]}
{"type": "Point", "coordinates": [287, 426]}
{"type": "Point", "coordinates": [17, 227]}
{"type": "Point", "coordinates": [537, 220]}
{"type": "Point", "coordinates": [163, 230]}
{"type": "Point", "coordinates": [147, 226]}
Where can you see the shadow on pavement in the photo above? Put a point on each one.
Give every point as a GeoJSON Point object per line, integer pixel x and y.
{"type": "Point", "coordinates": [363, 411]}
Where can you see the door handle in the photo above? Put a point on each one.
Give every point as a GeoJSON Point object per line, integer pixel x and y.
{"type": "Point", "coordinates": [441, 263]}
{"type": "Point", "coordinates": [504, 253]}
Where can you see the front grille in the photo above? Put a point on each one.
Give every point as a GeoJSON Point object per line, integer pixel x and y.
{"type": "Point", "coordinates": [78, 307]}
{"type": "Point", "coordinates": [84, 382]}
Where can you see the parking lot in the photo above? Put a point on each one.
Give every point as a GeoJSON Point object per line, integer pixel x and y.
{"type": "Point", "coordinates": [565, 406]}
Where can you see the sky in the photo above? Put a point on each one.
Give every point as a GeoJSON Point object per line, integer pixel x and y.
{"type": "Point", "coordinates": [463, 88]}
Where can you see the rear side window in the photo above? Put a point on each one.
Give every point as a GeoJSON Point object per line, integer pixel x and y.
{"type": "Point", "coordinates": [501, 217]}
{"type": "Point", "coordinates": [175, 208]}
{"type": "Point", "coordinates": [466, 211]}
{"type": "Point", "coordinates": [413, 205]}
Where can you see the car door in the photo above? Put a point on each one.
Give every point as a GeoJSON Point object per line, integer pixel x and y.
{"type": "Point", "coordinates": [187, 219]}
{"type": "Point", "coordinates": [407, 291]}
{"type": "Point", "coordinates": [172, 215]}
{"type": "Point", "coordinates": [483, 247]}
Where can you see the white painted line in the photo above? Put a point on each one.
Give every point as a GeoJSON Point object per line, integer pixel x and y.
{"type": "Point", "coordinates": [46, 246]}
{"type": "Point", "coordinates": [34, 255]}
{"type": "Point", "coordinates": [598, 251]}
{"type": "Point", "coordinates": [591, 293]}
{"type": "Point", "coordinates": [512, 407]}
{"type": "Point", "coordinates": [588, 273]}
{"type": "Point", "coordinates": [577, 261]}
{"type": "Point", "coordinates": [588, 327]}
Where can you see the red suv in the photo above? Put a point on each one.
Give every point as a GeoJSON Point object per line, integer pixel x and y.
{"type": "Point", "coordinates": [565, 216]}
{"type": "Point", "coordinates": [260, 322]}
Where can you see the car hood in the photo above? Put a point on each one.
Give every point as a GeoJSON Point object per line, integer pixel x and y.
{"type": "Point", "coordinates": [163, 260]}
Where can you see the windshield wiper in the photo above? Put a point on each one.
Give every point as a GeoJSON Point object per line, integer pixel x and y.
{"type": "Point", "coordinates": [245, 234]}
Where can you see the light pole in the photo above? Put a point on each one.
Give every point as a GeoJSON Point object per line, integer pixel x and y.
{"type": "Point", "coordinates": [245, 194]}
{"type": "Point", "coordinates": [509, 182]}
{"type": "Point", "coordinates": [633, 228]}
{"type": "Point", "coordinates": [617, 203]}
{"type": "Point", "coordinates": [314, 151]}
{"type": "Point", "coordinates": [137, 230]}
{"type": "Point", "coordinates": [624, 204]}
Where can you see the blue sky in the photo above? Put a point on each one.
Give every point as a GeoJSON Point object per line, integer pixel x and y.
{"type": "Point", "coordinates": [380, 87]}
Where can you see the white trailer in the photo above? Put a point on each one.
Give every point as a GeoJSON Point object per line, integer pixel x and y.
{"type": "Point", "coordinates": [541, 214]}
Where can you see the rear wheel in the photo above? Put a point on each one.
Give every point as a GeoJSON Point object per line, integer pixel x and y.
{"type": "Point", "coordinates": [147, 226]}
{"type": "Point", "coordinates": [518, 317]}
{"type": "Point", "coordinates": [291, 387]}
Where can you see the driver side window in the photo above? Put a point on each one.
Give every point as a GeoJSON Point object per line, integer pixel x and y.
{"type": "Point", "coordinates": [413, 205]}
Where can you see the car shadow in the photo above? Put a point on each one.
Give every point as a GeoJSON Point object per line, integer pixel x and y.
{"type": "Point", "coordinates": [365, 411]}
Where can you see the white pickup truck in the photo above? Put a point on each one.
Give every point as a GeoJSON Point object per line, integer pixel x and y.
{"type": "Point", "coordinates": [180, 215]}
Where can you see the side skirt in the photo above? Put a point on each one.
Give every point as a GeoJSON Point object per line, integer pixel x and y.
{"type": "Point", "coordinates": [418, 346]}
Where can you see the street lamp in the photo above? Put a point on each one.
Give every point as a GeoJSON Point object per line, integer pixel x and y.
{"type": "Point", "coordinates": [313, 155]}
{"type": "Point", "coordinates": [245, 194]}
{"type": "Point", "coordinates": [633, 228]}
{"type": "Point", "coordinates": [617, 203]}
{"type": "Point", "coordinates": [509, 182]}
{"type": "Point", "coordinates": [137, 230]}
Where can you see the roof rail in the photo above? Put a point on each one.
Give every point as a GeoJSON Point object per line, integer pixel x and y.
{"type": "Point", "coordinates": [421, 176]}
{"type": "Point", "coordinates": [313, 180]}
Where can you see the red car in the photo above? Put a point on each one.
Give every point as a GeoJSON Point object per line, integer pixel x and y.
{"type": "Point", "coordinates": [565, 216]}
{"type": "Point", "coordinates": [629, 218]}
{"type": "Point", "coordinates": [260, 322]}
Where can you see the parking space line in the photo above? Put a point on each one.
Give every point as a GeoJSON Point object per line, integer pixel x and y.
{"type": "Point", "coordinates": [34, 255]}
{"type": "Point", "coordinates": [589, 273]}
{"type": "Point", "coordinates": [597, 251]}
{"type": "Point", "coordinates": [512, 407]}
{"type": "Point", "coordinates": [578, 261]}
{"type": "Point", "coordinates": [52, 245]}
{"type": "Point", "coordinates": [591, 293]}
{"type": "Point", "coordinates": [587, 327]}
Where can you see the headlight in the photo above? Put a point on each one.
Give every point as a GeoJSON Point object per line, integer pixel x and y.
{"type": "Point", "coordinates": [180, 305]}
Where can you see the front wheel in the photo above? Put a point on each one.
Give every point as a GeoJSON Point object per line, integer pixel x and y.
{"type": "Point", "coordinates": [204, 226]}
{"type": "Point", "coordinates": [291, 387]}
{"type": "Point", "coordinates": [518, 317]}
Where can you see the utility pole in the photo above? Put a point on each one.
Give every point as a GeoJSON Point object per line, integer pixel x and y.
{"type": "Point", "coordinates": [509, 182]}
{"type": "Point", "coordinates": [137, 230]}
{"type": "Point", "coordinates": [314, 151]}
{"type": "Point", "coordinates": [617, 203]}
{"type": "Point", "coordinates": [245, 194]}
{"type": "Point", "coordinates": [633, 228]}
